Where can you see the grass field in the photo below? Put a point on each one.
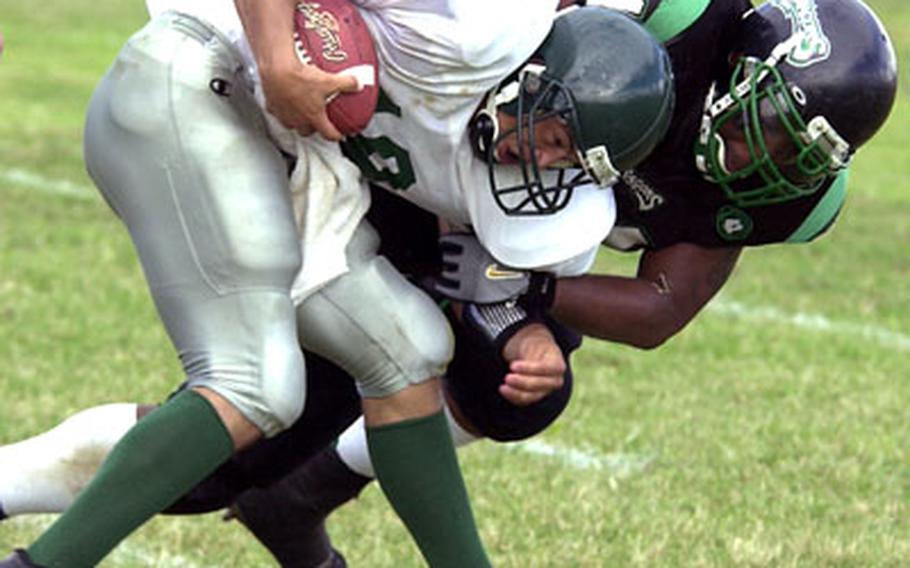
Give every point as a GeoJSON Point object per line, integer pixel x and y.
{"type": "Point", "coordinates": [771, 432]}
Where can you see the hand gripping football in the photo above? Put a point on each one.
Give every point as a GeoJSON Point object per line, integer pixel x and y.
{"type": "Point", "coordinates": [332, 35]}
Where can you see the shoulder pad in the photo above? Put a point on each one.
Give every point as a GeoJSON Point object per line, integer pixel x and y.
{"type": "Point", "coordinates": [669, 18]}
{"type": "Point", "coordinates": [824, 213]}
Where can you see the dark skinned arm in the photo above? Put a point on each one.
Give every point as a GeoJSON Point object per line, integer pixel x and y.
{"type": "Point", "coordinates": [672, 285]}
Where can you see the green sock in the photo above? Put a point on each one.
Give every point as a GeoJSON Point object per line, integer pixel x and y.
{"type": "Point", "coordinates": [418, 471]}
{"type": "Point", "coordinates": [155, 463]}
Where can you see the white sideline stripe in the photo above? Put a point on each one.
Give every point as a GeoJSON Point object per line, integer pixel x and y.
{"type": "Point", "coordinates": [813, 322]}
{"type": "Point", "coordinates": [45, 185]}
{"type": "Point", "coordinates": [617, 463]}
{"type": "Point", "coordinates": [126, 553]}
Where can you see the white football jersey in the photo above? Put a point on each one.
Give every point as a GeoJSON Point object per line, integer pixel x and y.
{"type": "Point", "coordinates": [435, 66]}
{"type": "Point", "coordinates": [437, 60]}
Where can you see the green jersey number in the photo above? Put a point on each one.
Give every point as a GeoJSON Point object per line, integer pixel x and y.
{"type": "Point", "coordinates": [379, 158]}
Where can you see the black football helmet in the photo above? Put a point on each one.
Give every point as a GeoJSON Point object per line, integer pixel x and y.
{"type": "Point", "coordinates": [816, 79]}
{"type": "Point", "coordinates": [607, 79]}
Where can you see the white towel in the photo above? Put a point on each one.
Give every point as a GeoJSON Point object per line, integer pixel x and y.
{"type": "Point", "coordinates": [330, 198]}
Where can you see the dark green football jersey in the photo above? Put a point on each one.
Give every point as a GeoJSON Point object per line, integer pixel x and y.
{"type": "Point", "coordinates": [666, 200]}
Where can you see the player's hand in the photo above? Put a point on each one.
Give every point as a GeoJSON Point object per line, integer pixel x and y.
{"type": "Point", "coordinates": [471, 274]}
{"type": "Point", "coordinates": [536, 365]}
{"type": "Point", "coordinates": [297, 94]}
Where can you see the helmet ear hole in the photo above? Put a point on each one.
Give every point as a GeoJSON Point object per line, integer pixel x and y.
{"type": "Point", "coordinates": [799, 97]}
{"type": "Point", "coordinates": [482, 132]}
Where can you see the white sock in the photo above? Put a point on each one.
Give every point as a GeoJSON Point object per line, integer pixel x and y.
{"type": "Point", "coordinates": [44, 474]}
{"type": "Point", "coordinates": [352, 444]}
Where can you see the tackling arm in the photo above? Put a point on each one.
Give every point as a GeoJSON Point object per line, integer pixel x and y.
{"type": "Point", "coordinates": [673, 284]}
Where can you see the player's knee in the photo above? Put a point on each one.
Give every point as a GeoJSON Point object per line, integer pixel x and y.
{"type": "Point", "coordinates": [434, 347]}
{"type": "Point", "coordinates": [425, 346]}
{"type": "Point", "coordinates": [372, 322]}
{"type": "Point", "coordinates": [278, 389]}
{"type": "Point", "coordinates": [426, 357]}
{"type": "Point", "coordinates": [428, 330]}
{"type": "Point", "coordinates": [254, 361]}
{"type": "Point", "coordinates": [285, 410]}
{"type": "Point", "coordinates": [283, 385]}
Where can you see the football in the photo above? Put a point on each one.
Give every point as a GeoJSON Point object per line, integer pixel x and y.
{"type": "Point", "coordinates": [332, 35]}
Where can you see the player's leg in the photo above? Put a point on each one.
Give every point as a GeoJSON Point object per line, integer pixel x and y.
{"type": "Point", "coordinates": [392, 338]}
{"type": "Point", "coordinates": [288, 518]}
{"type": "Point", "coordinates": [219, 250]}
{"type": "Point", "coordinates": [332, 405]}
{"type": "Point", "coordinates": [44, 473]}
{"type": "Point", "coordinates": [18, 559]}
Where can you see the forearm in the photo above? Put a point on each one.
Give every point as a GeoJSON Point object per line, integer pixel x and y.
{"type": "Point", "coordinates": [269, 29]}
{"type": "Point", "coordinates": [635, 311]}
{"type": "Point", "coordinates": [671, 287]}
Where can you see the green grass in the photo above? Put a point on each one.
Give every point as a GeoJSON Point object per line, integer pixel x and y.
{"type": "Point", "coordinates": [771, 432]}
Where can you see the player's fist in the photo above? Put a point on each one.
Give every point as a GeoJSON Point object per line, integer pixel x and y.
{"type": "Point", "coordinates": [536, 365]}
{"type": "Point", "coordinates": [297, 95]}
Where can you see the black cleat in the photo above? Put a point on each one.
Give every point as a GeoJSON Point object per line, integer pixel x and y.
{"type": "Point", "coordinates": [336, 561]}
{"type": "Point", "coordinates": [19, 559]}
{"type": "Point", "coordinates": [288, 517]}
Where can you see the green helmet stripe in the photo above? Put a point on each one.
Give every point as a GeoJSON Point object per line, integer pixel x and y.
{"type": "Point", "coordinates": [825, 211]}
{"type": "Point", "coordinates": [672, 17]}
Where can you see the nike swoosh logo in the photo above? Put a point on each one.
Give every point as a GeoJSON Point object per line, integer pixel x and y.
{"type": "Point", "coordinates": [494, 272]}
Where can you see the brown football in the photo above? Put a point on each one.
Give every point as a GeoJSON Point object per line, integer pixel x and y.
{"type": "Point", "coordinates": [332, 35]}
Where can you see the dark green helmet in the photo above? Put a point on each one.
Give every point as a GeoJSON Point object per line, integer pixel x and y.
{"type": "Point", "coordinates": [605, 77]}
{"type": "Point", "coordinates": [816, 80]}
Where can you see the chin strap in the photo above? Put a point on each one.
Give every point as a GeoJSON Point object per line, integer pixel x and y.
{"type": "Point", "coordinates": [820, 130]}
